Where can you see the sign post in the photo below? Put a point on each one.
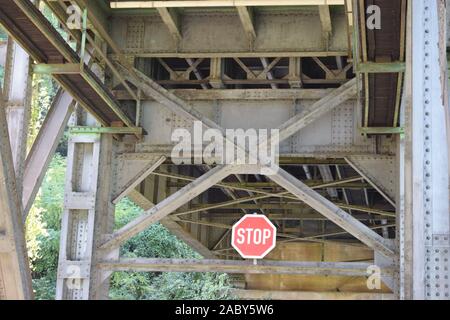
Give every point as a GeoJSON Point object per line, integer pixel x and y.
{"type": "Point", "coordinates": [253, 236]}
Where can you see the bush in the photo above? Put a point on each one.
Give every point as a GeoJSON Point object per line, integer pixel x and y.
{"type": "Point", "coordinates": [158, 242]}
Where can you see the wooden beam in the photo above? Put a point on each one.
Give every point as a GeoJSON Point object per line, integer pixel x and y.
{"type": "Point", "coordinates": [351, 269]}
{"type": "Point", "coordinates": [171, 20]}
{"type": "Point", "coordinates": [333, 212]}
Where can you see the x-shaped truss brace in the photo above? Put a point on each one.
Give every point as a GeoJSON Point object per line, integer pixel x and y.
{"type": "Point", "coordinates": [279, 176]}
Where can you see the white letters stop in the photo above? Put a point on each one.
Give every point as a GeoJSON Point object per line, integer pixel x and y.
{"type": "Point", "coordinates": [253, 236]}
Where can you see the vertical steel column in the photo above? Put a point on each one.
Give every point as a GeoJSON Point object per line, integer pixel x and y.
{"type": "Point", "coordinates": [426, 234]}
{"type": "Point", "coordinates": [15, 277]}
{"type": "Point", "coordinates": [18, 104]}
{"type": "Point", "coordinates": [88, 215]}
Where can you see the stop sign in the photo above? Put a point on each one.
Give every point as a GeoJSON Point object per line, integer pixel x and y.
{"type": "Point", "coordinates": [253, 236]}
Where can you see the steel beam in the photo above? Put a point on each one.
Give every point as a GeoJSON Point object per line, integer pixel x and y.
{"type": "Point", "coordinates": [325, 20]}
{"type": "Point", "coordinates": [15, 275]}
{"type": "Point", "coordinates": [105, 130]}
{"type": "Point", "coordinates": [425, 236]}
{"type": "Point", "coordinates": [44, 146]}
{"type": "Point", "coordinates": [351, 269]}
{"type": "Point", "coordinates": [308, 295]}
{"type": "Point", "coordinates": [246, 17]}
{"type": "Point", "coordinates": [318, 109]}
{"type": "Point", "coordinates": [379, 67]}
{"type": "Point", "coordinates": [208, 35]}
{"type": "Point", "coordinates": [238, 94]}
{"type": "Point", "coordinates": [18, 81]}
{"type": "Point", "coordinates": [168, 205]}
{"type": "Point", "coordinates": [337, 215]}
{"type": "Point", "coordinates": [133, 182]}
{"type": "Point", "coordinates": [86, 218]}
{"type": "Point", "coordinates": [171, 20]}
{"type": "Point", "coordinates": [173, 226]}
{"type": "Point", "coordinates": [63, 68]}
{"type": "Point", "coordinates": [219, 3]}
{"type": "Point", "coordinates": [334, 213]}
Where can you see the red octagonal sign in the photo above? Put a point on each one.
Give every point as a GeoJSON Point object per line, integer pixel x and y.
{"type": "Point", "coordinates": [254, 236]}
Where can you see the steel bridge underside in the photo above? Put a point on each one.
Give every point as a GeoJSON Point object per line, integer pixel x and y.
{"type": "Point", "coordinates": [334, 89]}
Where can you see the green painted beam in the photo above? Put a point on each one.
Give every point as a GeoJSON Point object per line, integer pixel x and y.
{"type": "Point", "coordinates": [109, 130]}
{"type": "Point", "coordinates": [63, 68]}
{"type": "Point", "coordinates": [382, 130]}
{"type": "Point", "coordinates": [376, 67]}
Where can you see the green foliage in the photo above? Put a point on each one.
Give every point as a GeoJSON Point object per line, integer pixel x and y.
{"type": "Point", "coordinates": [2, 75]}
{"type": "Point", "coordinates": [3, 37]}
{"type": "Point", "coordinates": [158, 242]}
{"type": "Point", "coordinates": [51, 194]}
{"type": "Point", "coordinates": [190, 286]}
{"type": "Point", "coordinates": [43, 230]}
{"type": "Point", "coordinates": [44, 90]}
